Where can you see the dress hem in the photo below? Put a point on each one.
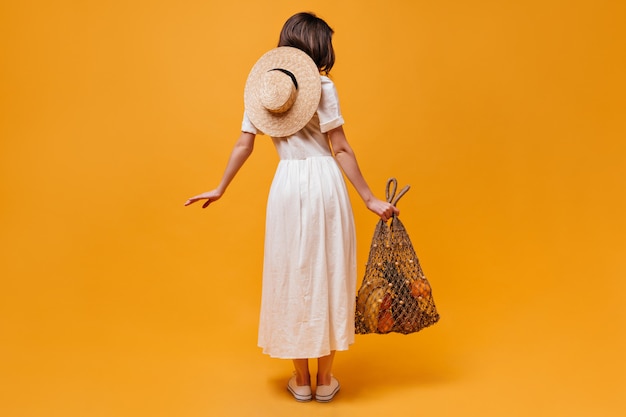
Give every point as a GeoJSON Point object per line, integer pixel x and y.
{"type": "Point", "coordinates": [305, 356]}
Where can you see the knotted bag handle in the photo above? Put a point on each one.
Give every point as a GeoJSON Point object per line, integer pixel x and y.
{"type": "Point", "coordinates": [390, 192]}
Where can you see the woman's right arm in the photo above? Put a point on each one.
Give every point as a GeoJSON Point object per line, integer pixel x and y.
{"type": "Point", "coordinates": [241, 151]}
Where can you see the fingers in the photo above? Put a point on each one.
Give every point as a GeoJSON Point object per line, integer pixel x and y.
{"type": "Point", "coordinates": [388, 212]}
{"type": "Point", "coordinates": [393, 210]}
{"type": "Point", "coordinates": [209, 196]}
{"type": "Point", "coordinates": [383, 209]}
{"type": "Point", "coordinates": [194, 200]}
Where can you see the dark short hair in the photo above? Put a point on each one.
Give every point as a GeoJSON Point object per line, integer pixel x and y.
{"type": "Point", "coordinates": [312, 35]}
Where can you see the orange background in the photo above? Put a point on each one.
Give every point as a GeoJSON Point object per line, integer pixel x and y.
{"type": "Point", "coordinates": [507, 118]}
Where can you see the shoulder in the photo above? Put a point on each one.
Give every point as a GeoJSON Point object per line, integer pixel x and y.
{"type": "Point", "coordinates": [326, 80]}
{"type": "Point", "coordinates": [328, 110]}
{"type": "Point", "coordinates": [329, 91]}
{"type": "Point", "coordinates": [327, 83]}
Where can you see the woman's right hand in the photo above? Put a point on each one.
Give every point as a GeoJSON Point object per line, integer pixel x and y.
{"type": "Point", "coordinates": [209, 196]}
{"type": "Point", "coordinates": [382, 208]}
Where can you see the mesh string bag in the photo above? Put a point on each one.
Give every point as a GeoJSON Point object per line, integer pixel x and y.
{"type": "Point", "coordinates": [394, 296]}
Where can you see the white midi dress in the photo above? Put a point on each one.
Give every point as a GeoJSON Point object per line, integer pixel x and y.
{"type": "Point", "coordinates": [309, 269]}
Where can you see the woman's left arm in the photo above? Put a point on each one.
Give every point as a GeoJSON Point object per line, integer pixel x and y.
{"type": "Point", "coordinates": [347, 161]}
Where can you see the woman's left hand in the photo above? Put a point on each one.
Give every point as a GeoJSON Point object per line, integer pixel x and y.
{"type": "Point", "coordinates": [383, 209]}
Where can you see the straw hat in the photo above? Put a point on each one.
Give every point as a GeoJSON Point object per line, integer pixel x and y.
{"type": "Point", "coordinates": [282, 92]}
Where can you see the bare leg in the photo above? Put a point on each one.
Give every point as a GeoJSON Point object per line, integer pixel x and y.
{"type": "Point", "coordinates": [324, 367]}
{"type": "Point", "coordinates": [302, 371]}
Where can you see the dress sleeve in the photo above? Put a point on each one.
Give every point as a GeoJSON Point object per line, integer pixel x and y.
{"type": "Point", "coordinates": [328, 111]}
{"type": "Point", "coordinates": [247, 126]}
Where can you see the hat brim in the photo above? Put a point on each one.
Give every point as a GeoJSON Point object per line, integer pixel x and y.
{"type": "Point", "coordinates": [307, 98]}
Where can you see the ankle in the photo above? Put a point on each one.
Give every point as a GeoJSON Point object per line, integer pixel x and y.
{"type": "Point", "coordinates": [324, 379]}
{"type": "Point", "coordinates": [302, 380]}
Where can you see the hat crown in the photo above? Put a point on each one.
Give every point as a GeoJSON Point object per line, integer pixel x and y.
{"type": "Point", "coordinates": [278, 92]}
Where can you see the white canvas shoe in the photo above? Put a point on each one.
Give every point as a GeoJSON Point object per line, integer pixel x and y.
{"type": "Point", "coordinates": [325, 393]}
{"type": "Point", "coordinates": [301, 393]}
